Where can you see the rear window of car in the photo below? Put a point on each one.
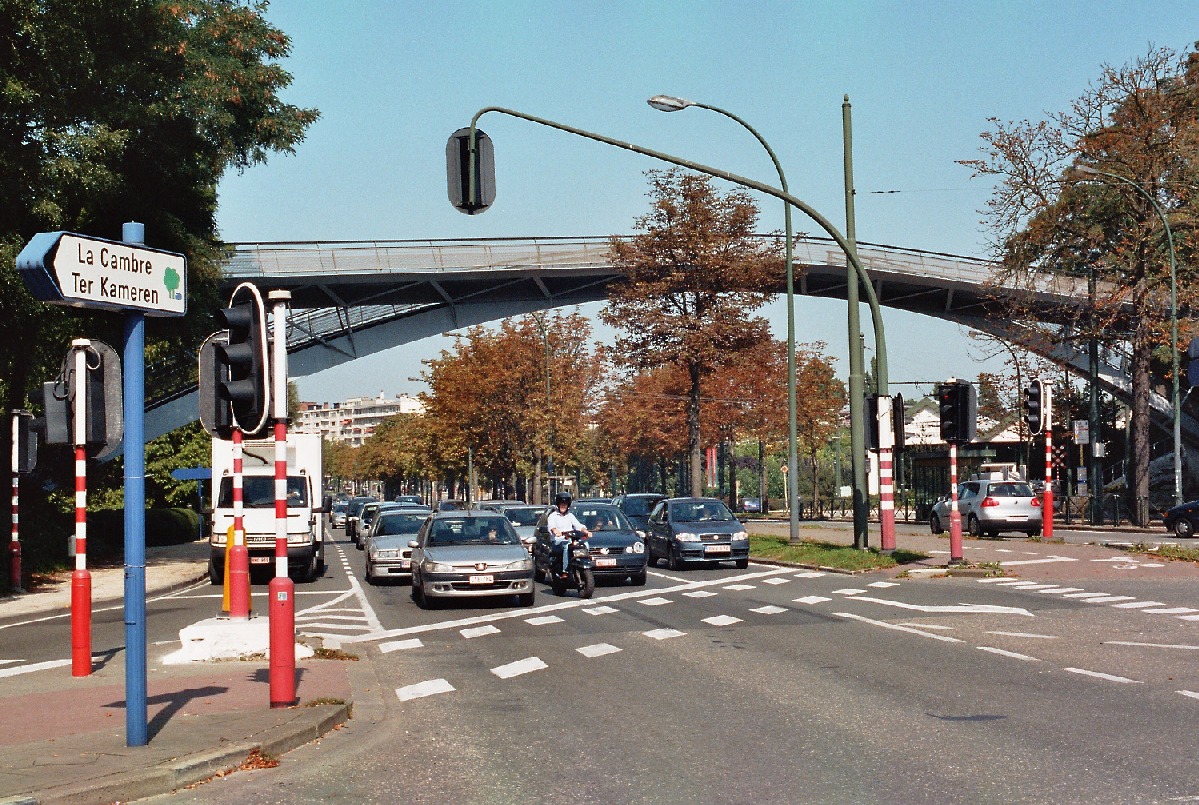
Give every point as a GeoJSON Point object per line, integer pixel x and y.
{"type": "Point", "coordinates": [523, 515]}
{"type": "Point", "coordinates": [1010, 490]}
{"type": "Point", "coordinates": [638, 507]}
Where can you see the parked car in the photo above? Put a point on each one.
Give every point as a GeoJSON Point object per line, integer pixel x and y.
{"type": "Point", "coordinates": [989, 506]}
{"type": "Point", "coordinates": [354, 511]}
{"type": "Point", "coordinates": [463, 554]}
{"type": "Point", "coordinates": [387, 553]}
{"type": "Point", "coordinates": [1182, 519]}
{"type": "Point", "coordinates": [683, 530]}
{"type": "Point", "coordinates": [751, 505]}
{"type": "Point", "coordinates": [617, 549]}
{"type": "Point", "coordinates": [337, 514]}
{"type": "Point", "coordinates": [637, 506]}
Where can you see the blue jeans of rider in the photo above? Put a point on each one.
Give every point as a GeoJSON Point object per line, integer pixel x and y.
{"type": "Point", "coordinates": [564, 543]}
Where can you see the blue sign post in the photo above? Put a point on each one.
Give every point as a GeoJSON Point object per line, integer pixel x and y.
{"type": "Point", "coordinates": [81, 271]}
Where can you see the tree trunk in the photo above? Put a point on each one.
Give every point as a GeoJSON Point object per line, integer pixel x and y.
{"type": "Point", "coordinates": [762, 476]}
{"type": "Point", "coordinates": [536, 477]}
{"type": "Point", "coordinates": [731, 471]}
{"type": "Point", "coordinates": [694, 447]}
{"type": "Point", "coordinates": [1138, 477]}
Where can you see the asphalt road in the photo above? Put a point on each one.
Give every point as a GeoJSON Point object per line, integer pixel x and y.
{"type": "Point", "coordinates": [767, 684]}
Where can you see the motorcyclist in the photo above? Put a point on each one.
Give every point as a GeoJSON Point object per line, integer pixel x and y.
{"type": "Point", "coordinates": [560, 522]}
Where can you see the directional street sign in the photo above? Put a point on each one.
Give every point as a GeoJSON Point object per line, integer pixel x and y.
{"type": "Point", "coordinates": [81, 271]}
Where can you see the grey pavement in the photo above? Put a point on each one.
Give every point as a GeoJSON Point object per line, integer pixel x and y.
{"type": "Point", "coordinates": [63, 739]}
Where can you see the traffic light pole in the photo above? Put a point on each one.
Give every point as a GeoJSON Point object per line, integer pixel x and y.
{"type": "Point", "coordinates": [1047, 495]}
{"type": "Point", "coordinates": [81, 579]}
{"type": "Point", "coordinates": [281, 589]}
{"type": "Point", "coordinates": [14, 548]}
{"type": "Point", "coordinates": [955, 516]}
{"type": "Point", "coordinates": [886, 477]}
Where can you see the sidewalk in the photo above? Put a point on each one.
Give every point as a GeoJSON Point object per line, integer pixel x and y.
{"type": "Point", "coordinates": [63, 739]}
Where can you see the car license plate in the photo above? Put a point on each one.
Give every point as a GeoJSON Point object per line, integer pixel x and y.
{"type": "Point", "coordinates": [484, 579]}
{"type": "Point", "coordinates": [719, 549]}
{"type": "Point", "coordinates": [406, 563]}
{"type": "Point", "coordinates": [260, 560]}
{"type": "Point", "coordinates": [605, 562]}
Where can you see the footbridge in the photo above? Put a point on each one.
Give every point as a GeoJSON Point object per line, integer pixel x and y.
{"type": "Point", "coordinates": [353, 299]}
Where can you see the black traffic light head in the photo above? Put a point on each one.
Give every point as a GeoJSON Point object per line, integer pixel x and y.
{"type": "Point", "coordinates": [216, 415]}
{"type": "Point", "coordinates": [242, 374]}
{"type": "Point", "coordinates": [470, 197]}
{"type": "Point", "coordinates": [959, 411]}
{"type": "Point", "coordinates": [872, 422]}
{"type": "Point", "coordinates": [1034, 406]}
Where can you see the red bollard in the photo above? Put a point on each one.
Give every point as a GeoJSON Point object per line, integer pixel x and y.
{"type": "Point", "coordinates": [281, 592]}
{"type": "Point", "coordinates": [81, 623]}
{"type": "Point", "coordinates": [15, 565]}
{"type": "Point", "coordinates": [237, 557]}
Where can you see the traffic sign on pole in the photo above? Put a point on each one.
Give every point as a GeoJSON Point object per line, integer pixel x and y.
{"type": "Point", "coordinates": [64, 268]}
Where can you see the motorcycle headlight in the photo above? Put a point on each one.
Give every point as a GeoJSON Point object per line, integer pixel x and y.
{"type": "Point", "coordinates": [686, 536]}
{"type": "Point", "coordinates": [638, 547]}
{"type": "Point", "coordinates": [436, 567]}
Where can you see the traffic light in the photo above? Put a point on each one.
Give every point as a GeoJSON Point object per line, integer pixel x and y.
{"type": "Point", "coordinates": [1034, 410]}
{"type": "Point", "coordinates": [872, 424]}
{"type": "Point", "coordinates": [457, 167]}
{"type": "Point", "coordinates": [242, 369]}
{"type": "Point", "coordinates": [216, 415]}
{"type": "Point", "coordinates": [959, 411]}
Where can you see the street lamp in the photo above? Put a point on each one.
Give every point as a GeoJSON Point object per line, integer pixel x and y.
{"type": "Point", "coordinates": [669, 103]}
{"type": "Point", "coordinates": [1175, 402]}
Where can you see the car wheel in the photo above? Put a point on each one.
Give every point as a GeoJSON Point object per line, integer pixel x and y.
{"type": "Point", "coordinates": [1036, 532]}
{"type": "Point", "coordinates": [934, 524]}
{"type": "Point", "coordinates": [1184, 528]}
{"type": "Point", "coordinates": [527, 599]}
{"type": "Point", "coordinates": [559, 587]}
{"type": "Point", "coordinates": [217, 577]}
{"type": "Point", "coordinates": [638, 579]}
{"type": "Point", "coordinates": [370, 579]}
{"type": "Point", "coordinates": [742, 564]}
{"type": "Point", "coordinates": [974, 526]}
{"type": "Point", "coordinates": [672, 559]}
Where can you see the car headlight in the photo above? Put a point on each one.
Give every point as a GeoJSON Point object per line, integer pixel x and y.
{"type": "Point", "coordinates": [686, 536]}
{"type": "Point", "coordinates": [386, 554]}
{"type": "Point", "coordinates": [638, 547]}
{"type": "Point", "coordinates": [741, 535]}
{"type": "Point", "coordinates": [436, 567]}
{"type": "Point", "coordinates": [520, 564]}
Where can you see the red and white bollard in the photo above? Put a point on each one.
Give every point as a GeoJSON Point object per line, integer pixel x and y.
{"type": "Point", "coordinates": [955, 515]}
{"type": "Point", "coordinates": [281, 590]}
{"type": "Point", "coordinates": [1047, 495]}
{"type": "Point", "coordinates": [81, 579]}
{"type": "Point", "coordinates": [14, 550]}
{"type": "Point", "coordinates": [237, 555]}
{"type": "Point", "coordinates": [886, 475]}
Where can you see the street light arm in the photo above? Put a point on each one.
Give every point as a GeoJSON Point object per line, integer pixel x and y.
{"type": "Point", "coordinates": [820, 220]}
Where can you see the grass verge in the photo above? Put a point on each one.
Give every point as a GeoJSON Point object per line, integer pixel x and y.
{"type": "Point", "coordinates": [826, 554]}
{"type": "Point", "coordinates": [1176, 552]}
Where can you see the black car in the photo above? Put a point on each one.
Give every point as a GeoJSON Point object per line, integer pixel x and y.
{"type": "Point", "coordinates": [1182, 519]}
{"type": "Point", "coordinates": [637, 507]}
{"type": "Point", "coordinates": [617, 550]}
{"type": "Point", "coordinates": [683, 530]}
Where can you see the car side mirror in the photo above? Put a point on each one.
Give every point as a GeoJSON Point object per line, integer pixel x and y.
{"type": "Point", "coordinates": [413, 543]}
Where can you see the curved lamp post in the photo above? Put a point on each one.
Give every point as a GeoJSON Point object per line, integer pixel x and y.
{"type": "Point", "coordinates": [669, 103]}
{"type": "Point", "coordinates": [850, 253]}
{"type": "Point", "coordinates": [1175, 401]}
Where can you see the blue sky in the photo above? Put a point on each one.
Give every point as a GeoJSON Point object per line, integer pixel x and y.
{"type": "Point", "coordinates": [393, 79]}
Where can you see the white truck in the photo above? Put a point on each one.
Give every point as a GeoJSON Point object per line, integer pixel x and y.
{"type": "Point", "coordinates": [305, 506]}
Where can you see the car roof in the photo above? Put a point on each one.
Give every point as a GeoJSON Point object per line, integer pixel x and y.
{"type": "Point", "coordinates": [686, 499]}
{"type": "Point", "coordinates": [406, 511]}
{"type": "Point", "coordinates": [459, 514]}
{"type": "Point", "coordinates": [644, 495]}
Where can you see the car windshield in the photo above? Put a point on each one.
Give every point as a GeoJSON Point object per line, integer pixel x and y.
{"type": "Point", "coordinates": [694, 511]}
{"type": "Point", "coordinates": [356, 506]}
{"type": "Point", "coordinates": [638, 507]}
{"type": "Point", "coordinates": [340, 507]}
{"type": "Point", "coordinates": [523, 515]}
{"type": "Point", "coordinates": [258, 492]}
{"type": "Point", "coordinates": [472, 531]}
{"type": "Point", "coordinates": [1010, 490]}
{"type": "Point", "coordinates": [399, 524]}
{"type": "Point", "coordinates": [601, 518]}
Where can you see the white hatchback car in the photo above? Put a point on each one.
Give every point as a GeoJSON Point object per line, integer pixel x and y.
{"type": "Point", "coordinates": [989, 506]}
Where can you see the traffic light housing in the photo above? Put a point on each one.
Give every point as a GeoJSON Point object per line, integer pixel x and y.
{"type": "Point", "coordinates": [1034, 406]}
{"type": "Point", "coordinates": [958, 406]}
{"type": "Point", "coordinates": [216, 415]}
{"type": "Point", "coordinates": [872, 424]}
{"type": "Point", "coordinates": [241, 371]}
{"type": "Point", "coordinates": [457, 165]}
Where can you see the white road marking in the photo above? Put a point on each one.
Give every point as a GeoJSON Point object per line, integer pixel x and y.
{"type": "Point", "coordinates": [29, 669]}
{"type": "Point", "coordinates": [810, 574]}
{"type": "Point", "coordinates": [7, 662]}
{"type": "Point", "coordinates": [601, 610]}
{"type": "Point", "coordinates": [400, 645]}
{"type": "Point", "coordinates": [1138, 605]}
{"type": "Point", "coordinates": [1171, 611]}
{"type": "Point", "coordinates": [970, 609]}
{"type": "Point", "coordinates": [897, 627]}
{"type": "Point", "coordinates": [543, 620]}
{"type": "Point", "coordinates": [1182, 646]}
{"type": "Point", "coordinates": [740, 587]}
{"type": "Point", "coordinates": [1004, 550]}
{"type": "Point", "coordinates": [848, 591]}
{"type": "Point", "coordinates": [1086, 595]}
{"type": "Point", "coordinates": [1186, 617]}
{"type": "Point", "coordinates": [1060, 590]}
{"type": "Point", "coordinates": [1189, 693]}
{"type": "Point", "coordinates": [1108, 677]}
{"type": "Point", "coordinates": [422, 689]}
{"type": "Point", "coordinates": [936, 626]}
{"type": "Point", "coordinates": [525, 666]}
{"type": "Point", "coordinates": [812, 599]}
{"type": "Point", "coordinates": [700, 594]}
{"type": "Point", "coordinates": [663, 634]}
{"type": "Point", "coordinates": [770, 609]}
{"type": "Point", "coordinates": [881, 584]}
{"type": "Point", "coordinates": [655, 602]}
{"type": "Point", "coordinates": [776, 580]}
{"type": "Point", "coordinates": [722, 620]}
{"type": "Point", "coordinates": [598, 650]}
{"type": "Point", "coordinates": [998, 580]}
{"type": "Point", "coordinates": [674, 579]}
{"type": "Point", "coordinates": [1107, 599]}
{"type": "Point", "coordinates": [479, 631]}
{"type": "Point", "coordinates": [1047, 560]}
{"type": "Point", "coordinates": [1029, 585]}
{"type": "Point", "coordinates": [1027, 635]}
{"type": "Point", "coordinates": [1004, 653]}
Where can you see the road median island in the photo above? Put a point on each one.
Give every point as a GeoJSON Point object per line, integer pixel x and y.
{"type": "Point", "coordinates": [826, 555]}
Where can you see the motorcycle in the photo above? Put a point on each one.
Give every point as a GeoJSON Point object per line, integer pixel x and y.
{"type": "Point", "coordinates": [579, 574]}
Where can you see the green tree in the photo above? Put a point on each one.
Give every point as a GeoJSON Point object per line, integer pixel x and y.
{"type": "Point", "coordinates": [1140, 122]}
{"type": "Point", "coordinates": [692, 277]}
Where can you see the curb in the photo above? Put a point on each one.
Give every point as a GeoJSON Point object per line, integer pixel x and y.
{"type": "Point", "coordinates": [177, 773]}
{"type": "Point", "coordinates": [809, 566]}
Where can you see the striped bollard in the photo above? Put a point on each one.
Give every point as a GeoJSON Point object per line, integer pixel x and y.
{"type": "Point", "coordinates": [81, 579]}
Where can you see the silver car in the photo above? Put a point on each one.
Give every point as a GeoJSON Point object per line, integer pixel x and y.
{"type": "Point", "coordinates": [387, 553]}
{"type": "Point", "coordinates": [460, 554]}
{"type": "Point", "coordinates": [990, 506]}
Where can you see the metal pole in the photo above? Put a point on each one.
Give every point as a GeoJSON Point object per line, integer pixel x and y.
{"type": "Point", "coordinates": [1095, 470]}
{"type": "Point", "coordinates": [955, 515]}
{"type": "Point", "coordinates": [281, 590]}
{"type": "Point", "coordinates": [1047, 495]}
{"type": "Point", "coordinates": [81, 579]}
{"type": "Point", "coordinates": [14, 548]}
{"type": "Point", "coordinates": [133, 360]}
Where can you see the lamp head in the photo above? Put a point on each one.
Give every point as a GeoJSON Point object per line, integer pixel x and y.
{"type": "Point", "coordinates": [1086, 169]}
{"type": "Point", "coordinates": [669, 103]}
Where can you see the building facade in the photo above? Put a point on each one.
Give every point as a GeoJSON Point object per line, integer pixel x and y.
{"type": "Point", "coordinates": [355, 419]}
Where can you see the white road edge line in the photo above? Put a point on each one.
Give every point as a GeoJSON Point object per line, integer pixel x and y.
{"type": "Point", "coordinates": [897, 628]}
{"type": "Point", "coordinates": [1012, 654]}
{"type": "Point", "coordinates": [1109, 677]}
